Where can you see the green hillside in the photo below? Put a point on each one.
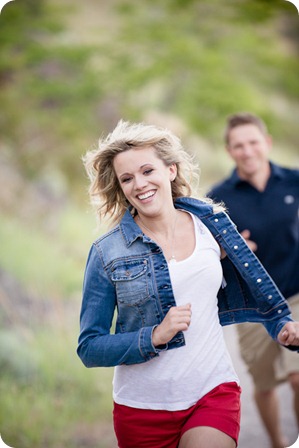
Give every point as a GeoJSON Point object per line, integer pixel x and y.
{"type": "Point", "coordinates": [70, 70]}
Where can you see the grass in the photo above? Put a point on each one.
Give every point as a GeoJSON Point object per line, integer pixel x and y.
{"type": "Point", "coordinates": [40, 265]}
{"type": "Point", "coordinates": [44, 408]}
{"type": "Point", "coordinates": [49, 263]}
{"type": "Point", "coordinates": [46, 392]}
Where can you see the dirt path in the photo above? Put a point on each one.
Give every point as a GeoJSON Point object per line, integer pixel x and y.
{"type": "Point", "coordinates": [252, 434]}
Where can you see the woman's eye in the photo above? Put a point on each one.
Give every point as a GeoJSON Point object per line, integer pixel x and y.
{"type": "Point", "coordinates": [149, 171]}
{"type": "Point", "coordinates": [125, 180]}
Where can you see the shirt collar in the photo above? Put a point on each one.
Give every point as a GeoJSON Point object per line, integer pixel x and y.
{"type": "Point", "coordinates": [276, 171]}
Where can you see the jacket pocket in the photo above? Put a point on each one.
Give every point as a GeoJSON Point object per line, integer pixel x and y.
{"type": "Point", "coordinates": [130, 279]}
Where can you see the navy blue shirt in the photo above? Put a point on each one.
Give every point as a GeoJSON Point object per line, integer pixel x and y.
{"type": "Point", "coordinates": [272, 217]}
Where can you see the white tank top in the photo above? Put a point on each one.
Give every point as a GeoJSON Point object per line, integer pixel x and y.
{"type": "Point", "coordinates": [178, 378]}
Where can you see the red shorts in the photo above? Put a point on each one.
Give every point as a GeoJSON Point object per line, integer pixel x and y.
{"type": "Point", "coordinates": [145, 428]}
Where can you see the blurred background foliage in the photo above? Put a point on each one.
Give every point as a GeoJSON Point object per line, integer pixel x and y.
{"type": "Point", "coordinates": [69, 70]}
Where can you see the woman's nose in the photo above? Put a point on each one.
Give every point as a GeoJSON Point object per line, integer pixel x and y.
{"type": "Point", "coordinates": [140, 182]}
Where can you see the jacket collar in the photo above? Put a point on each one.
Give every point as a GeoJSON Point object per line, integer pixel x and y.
{"type": "Point", "coordinates": [131, 231]}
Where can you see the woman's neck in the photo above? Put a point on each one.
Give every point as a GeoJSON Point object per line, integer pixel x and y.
{"type": "Point", "coordinates": [161, 225]}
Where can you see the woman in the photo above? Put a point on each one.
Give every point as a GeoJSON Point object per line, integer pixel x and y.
{"type": "Point", "coordinates": [174, 268]}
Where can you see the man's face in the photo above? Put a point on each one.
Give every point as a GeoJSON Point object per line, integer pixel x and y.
{"type": "Point", "coordinates": [249, 148]}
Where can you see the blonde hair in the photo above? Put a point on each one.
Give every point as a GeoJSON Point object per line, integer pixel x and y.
{"type": "Point", "coordinates": [105, 192]}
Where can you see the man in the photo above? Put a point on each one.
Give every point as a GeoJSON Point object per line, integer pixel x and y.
{"type": "Point", "coordinates": [262, 198]}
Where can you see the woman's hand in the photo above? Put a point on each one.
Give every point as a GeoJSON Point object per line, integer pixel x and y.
{"type": "Point", "coordinates": [289, 334]}
{"type": "Point", "coordinates": [177, 319]}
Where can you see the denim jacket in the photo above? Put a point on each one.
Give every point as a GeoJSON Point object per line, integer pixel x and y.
{"type": "Point", "coordinates": [126, 271]}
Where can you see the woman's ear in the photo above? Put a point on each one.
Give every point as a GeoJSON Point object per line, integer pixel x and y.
{"type": "Point", "coordinates": [173, 172]}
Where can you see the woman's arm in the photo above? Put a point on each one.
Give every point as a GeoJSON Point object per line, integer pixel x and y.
{"type": "Point", "coordinates": [97, 347]}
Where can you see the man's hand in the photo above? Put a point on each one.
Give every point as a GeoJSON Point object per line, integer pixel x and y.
{"type": "Point", "coordinates": [177, 319]}
{"type": "Point", "coordinates": [289, 334]}
{"type": "Point", "coordinates": [251, 244]}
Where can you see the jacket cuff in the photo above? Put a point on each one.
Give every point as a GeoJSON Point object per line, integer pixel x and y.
{"type": "Point", "coordinates": [279, 327]}
{"type": "Point", "coordinates": [281, 324]}
{"type": "Point", "coordinates": [147, 349]}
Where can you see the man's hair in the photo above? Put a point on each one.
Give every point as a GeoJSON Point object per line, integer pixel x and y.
{"type": "Point", "coordinates": [243, 118]}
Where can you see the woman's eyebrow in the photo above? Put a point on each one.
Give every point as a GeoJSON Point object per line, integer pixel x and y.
{"type": "Point", "coordinates": [124, 174]}
{"type": "Point", "coordinates": [146, 164]}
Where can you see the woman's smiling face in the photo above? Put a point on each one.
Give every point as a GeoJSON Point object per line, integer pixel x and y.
{"type": "Point", "coordinates": [145, 180]}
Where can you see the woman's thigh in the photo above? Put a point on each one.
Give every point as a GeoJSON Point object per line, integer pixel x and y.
{"type": "Point", "coordinates": [215, 417]}
{"type": "Point", "coordinates": [204, 436]}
